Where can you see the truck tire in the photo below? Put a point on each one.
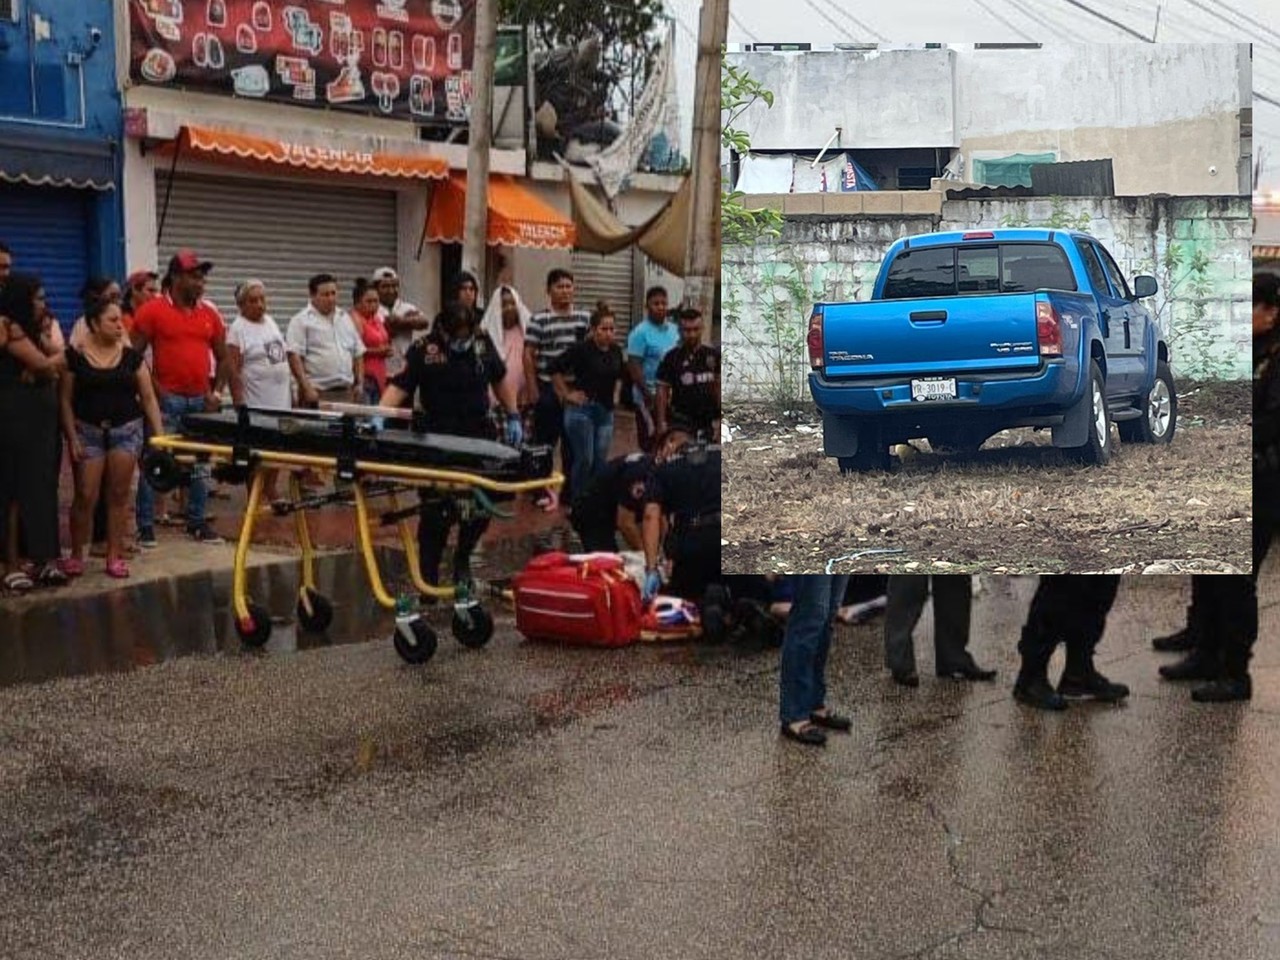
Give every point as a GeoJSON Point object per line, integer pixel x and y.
{"type": "Point", "coordinates": [1159, 407]}
{"type": "Point", "coordinates": [1097, 450]}
{"type": "Point", "coordinates": [873, 454]}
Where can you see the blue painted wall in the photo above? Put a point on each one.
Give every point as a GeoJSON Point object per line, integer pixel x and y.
{"type": "Point", "coordinates": [41, 94]}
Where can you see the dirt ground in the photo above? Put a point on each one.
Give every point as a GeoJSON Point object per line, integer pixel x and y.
{"type": "Point", "coordinates": [1019, 506]}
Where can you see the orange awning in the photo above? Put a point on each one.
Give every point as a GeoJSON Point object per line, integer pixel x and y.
{"type": "Point", "coordinates": [517, 217]}
{"type": "Point", "coordinates": [224, 143]}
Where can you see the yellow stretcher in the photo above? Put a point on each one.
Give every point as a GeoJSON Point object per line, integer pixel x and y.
{"type": "Point", "coordinates": [357, 482]}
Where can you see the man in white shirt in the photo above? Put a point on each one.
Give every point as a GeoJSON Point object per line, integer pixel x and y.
{"type": "Point", "coordinates": [326, 354]}
{"type": "Point", "coordinates": [404, 321]}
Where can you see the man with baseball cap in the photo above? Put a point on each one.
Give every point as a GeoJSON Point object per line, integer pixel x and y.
{"type": "Point", "coordinates": [404, 321]}
{"type": "Point", "coordinates": [181, 329]}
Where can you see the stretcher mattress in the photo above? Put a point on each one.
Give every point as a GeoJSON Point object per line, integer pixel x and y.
{"type": "Point", "coordinates": [325, 435]}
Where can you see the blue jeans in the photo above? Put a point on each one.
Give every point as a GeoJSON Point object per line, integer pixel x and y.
{"type": "Point", "coordinates": [803, 678]}
{"type": "Point", "coordinates": [590, 432]}
{"type": "Point", "coordinates": [172, 407]}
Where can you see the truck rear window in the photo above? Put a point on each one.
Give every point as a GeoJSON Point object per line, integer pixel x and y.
{"type": "Point", "coordinates": [970, 269]}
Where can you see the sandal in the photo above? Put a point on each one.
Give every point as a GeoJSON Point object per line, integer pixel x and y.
{"type": "Point", "coordinates": [117, 568]}
{"type": "Point", "coordinates": [830, 720]}
{"type": "Point", "coordinates": [51, 576]}
{"type": "Point", "coordinates": [804, 732]}
{"type": "Point", "coordinates": [72, 566]}
{"type": "Point", "coordinates": [17, 582]}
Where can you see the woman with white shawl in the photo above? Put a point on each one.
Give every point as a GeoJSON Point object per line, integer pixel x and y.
{"type": "Point", "coordinates": [505, 320]}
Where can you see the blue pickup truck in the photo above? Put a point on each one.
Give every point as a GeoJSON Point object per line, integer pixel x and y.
{"type": "Point", "coordinates": [969, 333]}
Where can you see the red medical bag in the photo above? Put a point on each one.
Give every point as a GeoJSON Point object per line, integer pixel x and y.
{"type": "Point", "coordinates": [592, 602]}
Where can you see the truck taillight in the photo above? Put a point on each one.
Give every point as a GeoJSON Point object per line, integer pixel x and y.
{"type": "Point", "coordinates": [1048, 329]}
{"type": "Point", "coordinates": [814, 339]}
{"type": "Point", "coordinates": [979, 235]}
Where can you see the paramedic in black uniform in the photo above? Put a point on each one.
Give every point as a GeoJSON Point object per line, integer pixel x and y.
{"type": "Point", "coordinates": [685, 492]}
{"type": "Point", "coordinates": [689, 379]}
{"type": "Point", "coordinates": [612, 502]}
{"type": "Point", "coordinates": [1071, 610]}
{"type": "Point", "coordinates": [1223, 620]}
{"type": "Point", "coordinates": [451, 370]}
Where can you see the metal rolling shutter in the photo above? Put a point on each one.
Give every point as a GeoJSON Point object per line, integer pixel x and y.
{"type": "Point", "coordinates": [611, 278]}
{"type": "Point", "coordinates": [279, 232]}
{"type": "Point", "coordinates": [47, 230]}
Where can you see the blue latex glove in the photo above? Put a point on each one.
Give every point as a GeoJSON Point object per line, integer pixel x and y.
{"type": "Point", "coordinates": [652, 584]}
{"type": "Point", "coordinates": [515, 430]}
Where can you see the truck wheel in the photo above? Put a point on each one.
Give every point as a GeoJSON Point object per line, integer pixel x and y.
{"type": "Point", "coordinates": [1097, 450]}
{"type": "Point", "coordinates": [1159, 407]}
{"type": "Point", "coordinates": [873, 454]}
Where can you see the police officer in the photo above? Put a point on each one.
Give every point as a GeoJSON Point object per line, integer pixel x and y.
{"type": "Point", "coordinates": [1070, 610]}
{"type": "Point", "coordinates": [685, 489]}
{"type": "Point", "coordinates": [451, 370]}
{"type": "Point", "coordinates": [689, 379]}
{"type": "Point", "coordinates": [612, 501]}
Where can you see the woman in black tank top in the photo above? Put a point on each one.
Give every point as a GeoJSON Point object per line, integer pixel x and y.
{"type": "Point", "coordinates": [105, 393]}
{"type": "Point", "coordinates": [28, 439]}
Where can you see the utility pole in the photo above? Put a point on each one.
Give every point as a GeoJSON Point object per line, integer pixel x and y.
{"type": "Point", "coordinates": [479, 141]}
{"type": "Point", "coordinates": [702, 262]}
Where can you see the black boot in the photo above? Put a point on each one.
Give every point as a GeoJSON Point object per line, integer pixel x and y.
{"type": "Point", "coordinates": [715, 604]}
{"type": "Point", "coordinates": [1091, 685]}
{"type": "Point", "coordinates": [1196, 665]}
{"type": "Point", "coordinates": [1179, 642]}
{"type": "Point", "coordinates": [1224, 690]}
{"type": "Point", "coordinates": [1032, 686]}
{"type": "Point", "coordinates": [1036, 692]}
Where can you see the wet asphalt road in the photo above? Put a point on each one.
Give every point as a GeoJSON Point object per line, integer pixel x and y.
{"type": "Point", "coordinates": [544, 804]}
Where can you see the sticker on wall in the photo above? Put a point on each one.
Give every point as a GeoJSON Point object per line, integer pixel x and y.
{"type": "Point", "coordinates": [158, 66]}
{"type": "Point", "coordinates": [215, 14]}
{"type": "Point", "coordinates": [262, 16]}
{"type": "Point", "coordinates": [251, 81]}
{"type": "Point", "coordinates": [169, 28]}
{"type": "Point", "coordinates": [206, 52]}
{"type": "Point", "coordinates": [379, 47]}
{"type": "Point", "coordinates": [348, 85]}
{"type": "Point", "coordinates": [467, 90]}
{"type": "Point", "coordinates": [454, 109]}
{"type": "Point", "coordinates": [422, 101]}
{"type": "Point", "coordinates": [168, 9]}
{"type": "Point", "coordinates": [304, 91]}
{"type": "Point", "coordinates": [395, 50]}
{"type": "Point", "coordinates": [294, 70]}
{"type": "Point", "coordinates": [306, 35]}
{"type": "Point", "coordinates": [455, 51]}
{"type": "Point", "coordinates": [446, 12]}
{"type": "Point", "coordinates": [386, 87]}
{"type": "Point", "coordinates": [246, 39]}
{"type": "Point", "coordinates": [424, 53]}
{"type": "Point", "coordinates": [393, 10]}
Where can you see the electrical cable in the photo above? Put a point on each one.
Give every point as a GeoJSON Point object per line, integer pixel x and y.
{"type": "Point", "coordinates": [997, 16]}
{"type": "Point", "coordinates": [1243, 16]}
{"type": "Point", "coordinates": [812, 6]}
{"type": "Point", "coordinates": [743, 27]}
{"type": "Point", "coordinates": [854, 20]}
{"type": "Point", "coordinates": [1102, 16]}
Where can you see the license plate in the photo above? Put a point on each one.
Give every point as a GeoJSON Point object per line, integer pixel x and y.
{"type": "Point", "coordinates": [935, 389]}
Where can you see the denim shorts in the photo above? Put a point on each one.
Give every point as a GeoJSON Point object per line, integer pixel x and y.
{"type": "Point", "coordinates": [97, 441]}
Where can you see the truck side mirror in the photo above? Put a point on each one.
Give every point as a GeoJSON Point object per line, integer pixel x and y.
{"type": "Point", "coordinates": [1144, 287]}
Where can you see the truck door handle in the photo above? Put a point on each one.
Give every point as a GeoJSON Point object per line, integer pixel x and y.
{"type": "Point", "coordinates": [921, 316]}
{"type": "Point", "coordinates": [1126, 334]}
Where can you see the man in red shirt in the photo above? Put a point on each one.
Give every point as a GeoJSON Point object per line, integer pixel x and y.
{"type": "Point", "coordinates": [181, 329]}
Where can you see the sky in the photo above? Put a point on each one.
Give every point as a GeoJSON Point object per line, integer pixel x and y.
{"type": "Point", "coordinates": [995, 21]}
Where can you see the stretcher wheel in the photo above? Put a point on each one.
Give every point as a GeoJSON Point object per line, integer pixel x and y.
{"type": "Point", "coordinates": [472, 626]}
{"type": "Point", "coordinates": [255, 630]}
{"type": "Point", "coordinates": [319, 616]}
{"type": "Point", "coordinates": [162, 471]}
{"type": "Point", "coordinates": [414, 640]}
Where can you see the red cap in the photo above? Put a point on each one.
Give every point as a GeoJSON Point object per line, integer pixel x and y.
{"type": "Point", "coordinates": [186, 261]}
{"type": "Point", "coordinates": [140, 277]}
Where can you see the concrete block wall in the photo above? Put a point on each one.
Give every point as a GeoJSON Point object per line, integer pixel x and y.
{"type": "Point", "coordinates": [833, 256]}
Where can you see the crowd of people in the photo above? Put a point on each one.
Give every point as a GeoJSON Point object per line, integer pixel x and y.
{"type": "Point", "coordinates": [147, 352]}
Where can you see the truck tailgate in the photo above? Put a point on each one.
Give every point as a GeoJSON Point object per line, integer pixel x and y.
{"type": "Point", "coordinates": [930, 337]}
